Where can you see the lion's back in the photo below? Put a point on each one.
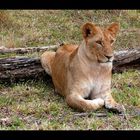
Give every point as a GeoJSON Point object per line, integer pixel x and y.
{"type": "Point", "coordinates": [60, 66]}
{"type": "Point", "coordinates": [67, 49]}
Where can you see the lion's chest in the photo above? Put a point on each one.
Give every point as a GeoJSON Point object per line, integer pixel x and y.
{"type": "Point", "coordinates": [97, 81]}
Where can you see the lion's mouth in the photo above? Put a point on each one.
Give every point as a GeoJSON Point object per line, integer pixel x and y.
{"type": "Point", "coordinates": [109, 61]}
{"type": "Point", "coordinates": [105, 60]}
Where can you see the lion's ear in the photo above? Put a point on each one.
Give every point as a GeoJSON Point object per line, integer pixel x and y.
{"type": "Point", "coordinates": [88, 30]}
{"type": "Point", "coordinates": [113, 29]}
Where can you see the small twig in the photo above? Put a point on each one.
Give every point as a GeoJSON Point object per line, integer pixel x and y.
{"type": "Point", "coordinates": [81, 114]}
{"type": "Point", "coordinates": [124, 113]}
{"type": "Point", "coordinates": [101, 115]}
{"type": "Point", "coordinates": [88, 114]}
{"type": "Point", "coordinates": [37, 127]}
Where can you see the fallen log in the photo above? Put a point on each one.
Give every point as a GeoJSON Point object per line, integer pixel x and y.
{"type": "Point", "coordinates": [4, 50]}
{"type": "Point", "coordinates": [24, 68]}
{"type": "Point", "coordinates": [126, 59]}
{"type": "Point", "coordinates": [20, 69]}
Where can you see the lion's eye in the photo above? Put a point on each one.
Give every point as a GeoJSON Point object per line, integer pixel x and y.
{"type": "Point", "coordinates": [99, 42]}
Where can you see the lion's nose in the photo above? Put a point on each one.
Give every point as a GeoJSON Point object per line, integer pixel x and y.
{"type": "Point", "coordinates": [109, 56]}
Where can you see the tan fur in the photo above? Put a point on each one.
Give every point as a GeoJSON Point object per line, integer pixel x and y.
{"type": "Point", "coordinates": [46, 61]}
{"type": "Point", "coordinates": [82, 74]}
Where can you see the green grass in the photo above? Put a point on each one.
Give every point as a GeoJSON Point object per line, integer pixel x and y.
{"type": "Point", "coordinates": [127, 86]}
{"type": "Point", "coordinates": [34, 105]}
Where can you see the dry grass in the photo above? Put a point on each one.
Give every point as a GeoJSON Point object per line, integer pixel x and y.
{"type": "Point", "coordinates": [47, 27]}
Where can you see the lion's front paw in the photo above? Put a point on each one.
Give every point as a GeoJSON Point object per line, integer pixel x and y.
{"type": "Point", "coordinates": [116, 107]}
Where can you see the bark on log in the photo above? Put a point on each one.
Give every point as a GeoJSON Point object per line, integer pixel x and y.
{"type": "Point", "coordinates": [126, 59]}
{"type": "Point", "coordinates": [24, 68]}
{"type": "Point", "coordinates": [4, 50]}
{"type": "Point", "coordinates": [20, 69]}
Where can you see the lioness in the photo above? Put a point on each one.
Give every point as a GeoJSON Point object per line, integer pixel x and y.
{"type": "Point", "coordinates": [82, 73]}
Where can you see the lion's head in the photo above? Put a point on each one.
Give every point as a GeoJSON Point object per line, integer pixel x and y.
{"type": "Point", "coordinates": [99, 41]}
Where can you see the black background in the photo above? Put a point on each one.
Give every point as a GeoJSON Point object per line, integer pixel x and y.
{"type": "Point", "coordinates": [70, 4]}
